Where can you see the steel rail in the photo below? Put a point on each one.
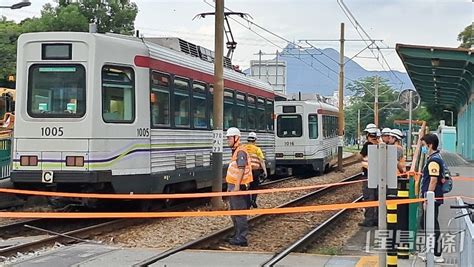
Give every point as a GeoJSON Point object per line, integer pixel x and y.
{"type": "Point", "coordinates": [308, 238]}
{"type": "Point", "coordinates": [82, 233]}
{"type": "Point", "coordinates": [207, 240]}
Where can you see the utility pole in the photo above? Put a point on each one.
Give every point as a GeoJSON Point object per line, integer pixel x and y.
{"type": "Point", "coordinates": [341, 101]}
{"type": "Point", "coordinates": [260, 64]}
{"type": "Point", "coordinates": [410, 110]}
{"type": "Point", "coordinates": [376, 102]}
{"type": "Point", "coordinates": [358, 128]}
{"type": "Point", "coordinates": [217, 132]}
{"type": "Point", "coordinates": [276, 70]}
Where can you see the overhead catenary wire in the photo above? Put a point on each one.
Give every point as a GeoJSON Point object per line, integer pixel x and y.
{"type": "Point", "coordinates": [357, 26]}
{"type": "Point", "coordinates": [279, 37]}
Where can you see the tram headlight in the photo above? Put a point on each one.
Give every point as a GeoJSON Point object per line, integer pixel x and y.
{"type": "Point", "coordinates": [29, 161]}
{"type": "Point", "coordinates": [279, 155]}
{"type": "Point", "coordinates": [299, 155]}
{"type": "Point", "coordinates": [75, 161]}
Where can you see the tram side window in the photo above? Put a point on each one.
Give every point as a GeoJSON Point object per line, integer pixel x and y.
{"type": "Point", "coordinates": [211, 106]}
{"type": "Point", "coordinates": [241, 112]}
{"type": "Point", "coordinates": [252, 112]}
{"type": "Point", "coordinates": [260, 115]}
{"type": "Point", "coordinates": [160, 99]}
{"type": "Point", "coordinates": [199, 105]}
{"type": "Point", "coordinates": [313, 126]}
{"type": "Point", "coordinates": [289, 126]}
{"type": "Point", "coordinates": [181, 102]}
{"type": "Point", "coordinates": [57, 91]}
{"type": "Point", "coordinates": [269, 115]}
{"type": "Point", "coordinates": [228, 109]}
{"type": "Point", "coordinates": [118, 94]}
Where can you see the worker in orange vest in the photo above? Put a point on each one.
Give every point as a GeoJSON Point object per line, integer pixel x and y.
{"type": "Point", "coordinates": [239, 177]}
{"type": "Point", "coordinates": [259, 170]}
{"type": "Point", "coordinates": [396, 137]}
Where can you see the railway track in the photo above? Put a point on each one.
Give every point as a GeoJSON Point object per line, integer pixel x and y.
{"type": "Point", "coordinates": [73, 233]}
{"type": "Point", "coordinates": [213, 239]}
{"type": "Point", "coordinates": [351, 160]}
{"type": "Point", "coordinates": [306, 241]}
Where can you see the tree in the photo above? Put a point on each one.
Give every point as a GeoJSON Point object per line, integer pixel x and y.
{"type": "Point", "coordinates": [116, 16]}
{"type": "Point", "coordinates": [466, 37]}
{"type": "Point", "coordinates": [9, 32]}
{"type": "Point", "coordinates": [389, 110]}
{"type": "Point", "coordinates": [68, 18]}
{"type": "Point", "coordinates": [363, 100]}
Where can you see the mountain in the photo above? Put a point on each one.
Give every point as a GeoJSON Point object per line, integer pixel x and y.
{"type": "Point", "coordinates": [317, 71]}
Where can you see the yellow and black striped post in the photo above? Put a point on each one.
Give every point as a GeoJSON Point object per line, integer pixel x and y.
{"type": "Point", "coordinates": [403, 217]}
{"type": "Point", "coordinates": [392, 228]}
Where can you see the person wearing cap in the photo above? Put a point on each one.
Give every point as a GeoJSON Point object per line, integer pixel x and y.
{"type": "Point", "coordinates": [259, 170]}
{"type": "Point", "coordinates": [369, 194]}
{"type": "Point", "coordinates": [396, 137]}
{"type": "Point", "coordinates": [238, 177]}
{"type": "Point", "coordinates": [386, 135]}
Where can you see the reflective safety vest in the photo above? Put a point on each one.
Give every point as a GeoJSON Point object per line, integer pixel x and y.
{"type": "Point", "coordinates": [233, 170]}
{"type": "Point", "coordinates": [402, 161]}
{"type": "Point", "coordinates": [252, 151]}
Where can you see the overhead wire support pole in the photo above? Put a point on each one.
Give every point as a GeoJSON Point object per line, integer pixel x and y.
{"type": "Point", "coordinates": [376, 102]}
{"type": "Point", "coordinates": [218, 133]}
{"type": "Point", "coordinates": [341, 101]}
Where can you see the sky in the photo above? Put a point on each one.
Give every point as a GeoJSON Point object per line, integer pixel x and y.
{"type": "Point", "coordinates": [421, 22]}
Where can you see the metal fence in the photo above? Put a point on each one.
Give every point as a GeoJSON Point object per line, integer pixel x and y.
{"type": "Point", "coordinates": [466, 237]}
{"type": "Point", "coordinates": [5, 157]}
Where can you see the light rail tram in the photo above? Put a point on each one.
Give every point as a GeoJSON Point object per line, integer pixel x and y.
{"type": "Point", "coordinates": [306, 136]}
{"type": "Point", "coordinates": [111, 113]}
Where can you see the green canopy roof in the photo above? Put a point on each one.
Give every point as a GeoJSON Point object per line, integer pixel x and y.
{"type": "Point", "coordinates": [442, 76]}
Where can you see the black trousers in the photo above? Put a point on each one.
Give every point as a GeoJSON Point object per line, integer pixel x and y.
{"type": "Point", "coordinates": [438, 246]}
{"type": "Point", "coordinates": [255, 184]}
{"type": "Point", "coordinates": [371, 215]}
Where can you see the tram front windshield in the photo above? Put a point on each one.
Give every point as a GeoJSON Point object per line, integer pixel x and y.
{"type": "Point", "coordinates": [289, 126]}
{"type": "Point", "coordinates": [56, 91]}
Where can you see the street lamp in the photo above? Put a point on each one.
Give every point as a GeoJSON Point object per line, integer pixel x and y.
{"type": "Point", "coordinates": [23, 3]}
{"type": "Point", "coordinates": [452, 122]}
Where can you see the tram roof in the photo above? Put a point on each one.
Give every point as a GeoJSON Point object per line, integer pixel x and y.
{"type": "Point", "coordinates": [441, 75]}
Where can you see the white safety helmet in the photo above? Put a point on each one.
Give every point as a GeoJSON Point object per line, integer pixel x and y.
{"type": "Point", "coordinates": [252, 136]}
{"type": "Point", "coordinates": [371, 128]}
{"type": "Point", "coordinates": [386, 131]}
{"type": "Point", "coordinates": [232, 131]}
{"type": "Point", "coordinates": [397, 134]}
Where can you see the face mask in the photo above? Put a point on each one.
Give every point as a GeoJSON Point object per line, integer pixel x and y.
{"type": "Point", "coordinates": [424, 150]}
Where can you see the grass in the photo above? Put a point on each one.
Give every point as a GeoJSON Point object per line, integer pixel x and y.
{"type": "Point", "coordinates": [329, 251]}
{"type": "Point", "coordinates": [352, 149]}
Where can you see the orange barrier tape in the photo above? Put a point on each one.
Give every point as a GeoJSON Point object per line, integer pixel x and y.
{"type": "Point", "coordinates": [168, 196]}
{"type": "Point", "coordinates": [460, 178]}
{"type": "Point", "coordinates": [136, 215]}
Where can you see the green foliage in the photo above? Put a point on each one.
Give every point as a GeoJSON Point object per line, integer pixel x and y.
{"type": "Point", "coordinates": [389, 110]}
{"type": "Point", "coordinates": [116, 16]}
{"type": "Point", "coordinates": [68, 18]}
{"type": "Point", "coordinates": [9, 32]}
{"type": "Point", "coordinates": [466, 37]}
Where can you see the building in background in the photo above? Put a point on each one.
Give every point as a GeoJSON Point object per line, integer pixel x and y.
{"type": "Point", "coordinates": [272, 71]}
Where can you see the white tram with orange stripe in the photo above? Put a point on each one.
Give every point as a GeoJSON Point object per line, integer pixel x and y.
{"type": "Point", "coordinates": [306, 135]}
{"type": "Point", "coordinates": [111, 113]}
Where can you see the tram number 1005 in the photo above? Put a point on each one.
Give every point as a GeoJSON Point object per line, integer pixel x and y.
{"type": "Point", "coordinates": [52, 131]}
{"type": "Point", "coordinates": [143, 132]}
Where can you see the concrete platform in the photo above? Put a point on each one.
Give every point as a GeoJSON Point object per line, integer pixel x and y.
{"type": "Point", "coordinates": [87, 255]}
{"type": "Point", "coordinates": [458, 166]}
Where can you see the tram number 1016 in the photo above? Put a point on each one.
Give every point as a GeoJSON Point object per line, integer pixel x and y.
{"type": "Point", "coordinates": [52, 131]}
